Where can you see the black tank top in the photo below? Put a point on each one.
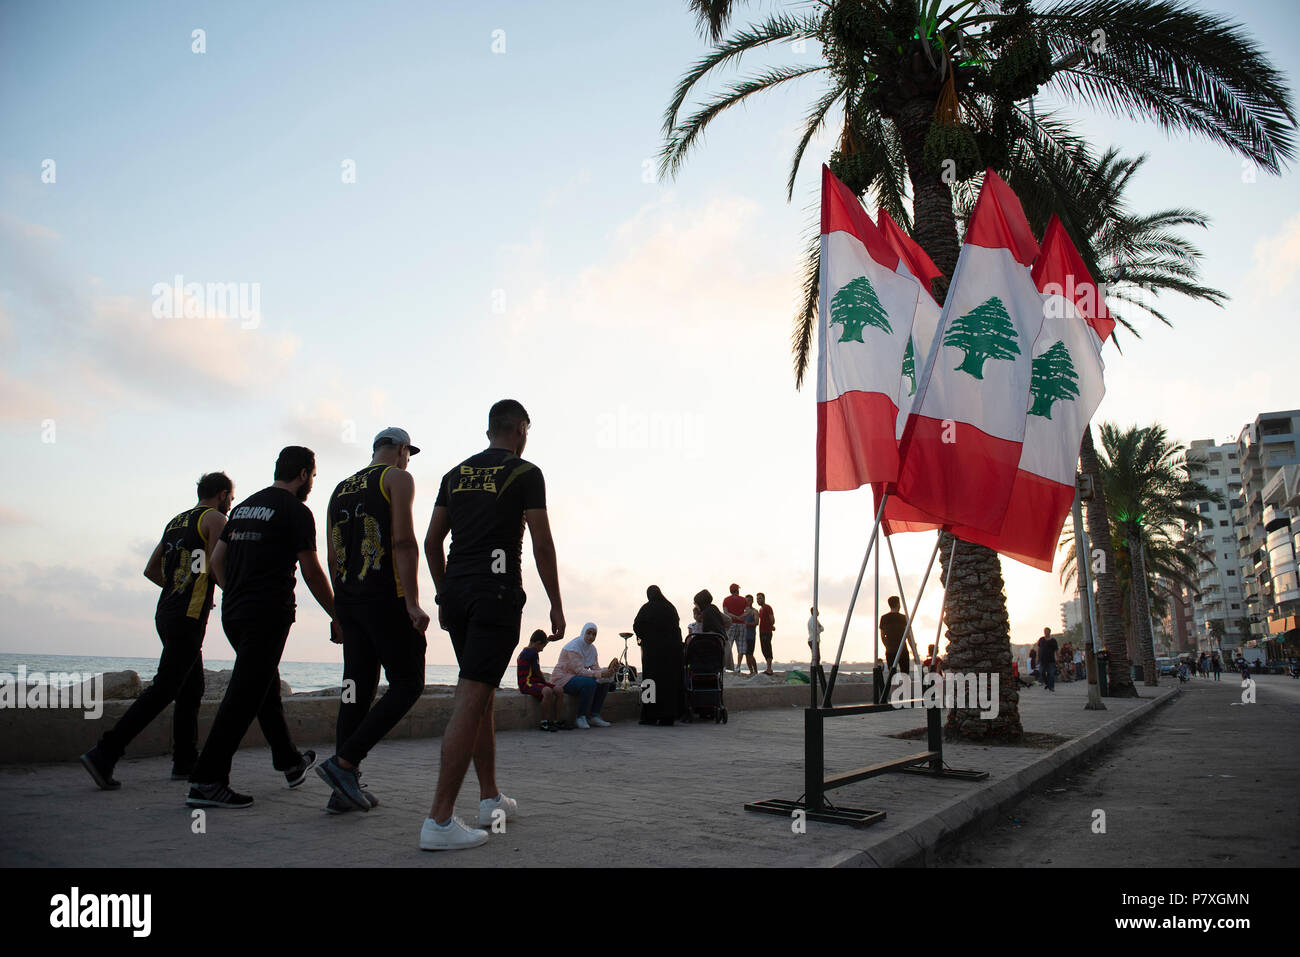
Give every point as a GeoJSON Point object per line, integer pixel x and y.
{"type": "Point", "coordinates": [187, 592]}
{"type": "Point", "coordinates": [360, 519]}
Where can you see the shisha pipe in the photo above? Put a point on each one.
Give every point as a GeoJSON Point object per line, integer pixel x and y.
{"type": "Point", "coordinates": [625, 635]}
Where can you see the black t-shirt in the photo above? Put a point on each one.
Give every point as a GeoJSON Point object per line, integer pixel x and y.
{"type": "Point", "coordinates": [187, 592]}
{"type": "Point", "coordinates": [486, 497]}
{"type": "Point", "coordinates": [893, 625]}
{"type": "Point", "coordinates": [360, 522]}
{"type": "Point", "coordinates": [263, 537]}
{"type": "Point", "coordinates": [1047, 648]}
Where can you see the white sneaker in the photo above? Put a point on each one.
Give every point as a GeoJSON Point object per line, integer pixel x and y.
{"type": "Point", "coordinates": [453, 836]}
{"type": "Point", "coordinates": [599, 722]}
{"type": "Point", "coordinates": [501, 802]}
{"type": "Point", "coordinates": [582, 723]}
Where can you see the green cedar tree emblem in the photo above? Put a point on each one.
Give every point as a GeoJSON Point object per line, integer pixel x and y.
{"type": "Point", "coordinates": [1054, 378]}
{"type": "Point", "coordinates": [986, 332]}
{"type": "Point", "coordinates": [909, 366]}
{"type": "Point", "coordinates": [855, 306]}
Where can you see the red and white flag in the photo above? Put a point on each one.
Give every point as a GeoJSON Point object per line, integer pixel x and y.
{"type": "Point", "coordinates": [960, 449]}
{"type": "Point", "coordinates": [868, 304]}
{"type": "Point", "coordinates": [1064, 392]}
{"type": "Point", "coordinates": [898, 515]}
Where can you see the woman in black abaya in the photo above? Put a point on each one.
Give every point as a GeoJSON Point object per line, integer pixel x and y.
{"type": "Point", "coordinates": [658, 629]}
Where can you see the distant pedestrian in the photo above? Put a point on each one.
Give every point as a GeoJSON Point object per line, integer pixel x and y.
{"type": "Point", "coordinates": [734, 607]}
{"type": "Point", "coordinates": [766, 625]}
{"type": "Point", "coordinates": [1047, 649]}
{"type": "Point", "coordinates": [814, 631]}
{"type": "Point", "coordinates": [893, 626]}
{"type": "Point", "coordinates": [933, 663]}
{"type": "Point", "coordinates": [1216, 666]}
{"type": "Point", "coordinates": [711, 616]}
{"type": "Point", "coordinates": [751, 634]}
{"type": "Point", "coordinates": [660, 636]}
{"type": "Point", "coordinates": [1033, 661]}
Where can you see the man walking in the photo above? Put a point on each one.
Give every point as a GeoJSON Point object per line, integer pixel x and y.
{"type": "Point", "coordinates": [484, 503]}
{"type": "Point", "coordinates": [268, 536]}
{"type": "Point", "coordinates": [734, 606]}
{"type": "Point", "coordinates": [1047, 648]}
{"type": "Point", "coordinates": [766, 625]}
{"type": "Point", "coordinates": [374, 563]}
{"type": "Point", "coordinates": [180, 565]}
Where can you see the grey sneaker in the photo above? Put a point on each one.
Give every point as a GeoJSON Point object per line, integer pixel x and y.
{"type": "Point", "coordinates": [338, 805]}
{"type": "Point", "coordinates": [344, 781]}
{"type": "Point", "coordinates": [295, 776]}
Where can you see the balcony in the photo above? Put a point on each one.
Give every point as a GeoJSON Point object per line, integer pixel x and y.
{"type": "Point", "coordinates": [1275, 491]}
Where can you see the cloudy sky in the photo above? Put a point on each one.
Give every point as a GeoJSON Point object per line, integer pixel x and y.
{"type": "Point", "coordinates": [446, 204]}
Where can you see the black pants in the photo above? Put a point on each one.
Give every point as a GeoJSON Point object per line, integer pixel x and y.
{"type": "Point", "coordinates": [179, 679]}
{"type": "Point", "coordinates": [376, 633]}
{"type": "Point", "coordinates": [254, 692]}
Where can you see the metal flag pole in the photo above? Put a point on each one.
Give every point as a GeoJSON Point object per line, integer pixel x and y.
{"type": "Point", "coordinates": [817, 551]}
{"type": "Point", "coordinates": [875, 639]}
{"type": "Point", "coordinates": [1082, 557]}
{"type": "Point", "coordinates": [943, 606]}
{"type": "Point", "coordinates": [938, 629]}
{"type": "Point", "coordinates": [848, 615]}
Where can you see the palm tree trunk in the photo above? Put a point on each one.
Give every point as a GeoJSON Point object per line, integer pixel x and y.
{"type": "Point", "coordinates": [979, 637]}
{"type": "Point", "coordinates": [978, 627]}
{"type": "Point", "coordinates": [1109, 605]}
{"type": "Point", "coordinates": [1141, 612]}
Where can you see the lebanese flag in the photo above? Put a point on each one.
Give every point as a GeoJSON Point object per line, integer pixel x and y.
{"type": "Point", "coordinates": [1065, 391]}
{"type": "Point", "coordinates": [866, 311]}
{"type": "Point", "coordinates": [898, 515]}
{"type": "Point", "coordinates": [960, 449]}
{"type": "Point", "coordinates": [912, 259]}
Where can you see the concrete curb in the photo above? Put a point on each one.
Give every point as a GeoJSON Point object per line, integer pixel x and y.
{"type": "Point", "coordinates": [918, 845]}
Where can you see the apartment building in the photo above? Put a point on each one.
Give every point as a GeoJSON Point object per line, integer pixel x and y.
{"type": "Point", "coordinates": [1220, 595]}
{"type": "Point", "coordinates": [1267, 518]}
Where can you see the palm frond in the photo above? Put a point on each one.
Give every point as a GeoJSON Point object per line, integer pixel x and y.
{"type": "Point", "coordinates": [683, 137]}
{"type": "Point", "coordinates": [772, 30]}
{"type": "Point", "coordinates": [1177, 66]}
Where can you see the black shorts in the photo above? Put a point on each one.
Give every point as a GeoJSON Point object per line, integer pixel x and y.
{"type": "Point", "coordinates": [483, 617]}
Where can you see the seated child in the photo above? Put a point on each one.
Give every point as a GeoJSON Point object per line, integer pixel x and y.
{"type": "Point", "coordinates": [532, 681]}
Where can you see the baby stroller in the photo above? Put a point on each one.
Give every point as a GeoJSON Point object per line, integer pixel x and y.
{"type": "Point", "coordinates": [703, 681]}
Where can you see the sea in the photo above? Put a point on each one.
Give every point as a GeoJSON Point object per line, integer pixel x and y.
{"type": "Point", "coordinates": [300, 675]}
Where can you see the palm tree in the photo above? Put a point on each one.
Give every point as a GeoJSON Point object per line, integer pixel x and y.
{"type": "Point", "coordinates": [930, 94]}
{"type": "Point", "coordinates": [1149, 485]}
{"type": "Point", "coordinates": [1171, 559]}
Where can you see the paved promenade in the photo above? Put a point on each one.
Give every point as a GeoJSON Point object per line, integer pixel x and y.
{"type": "Point", "coordinates": [625, 795]}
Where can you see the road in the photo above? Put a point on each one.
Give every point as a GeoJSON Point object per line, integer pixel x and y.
{"type": "Point", "coordinates": [1207, 781]}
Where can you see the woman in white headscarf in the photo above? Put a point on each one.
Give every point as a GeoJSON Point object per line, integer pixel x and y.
{"type": "Point", "coordinates": [577, 673]}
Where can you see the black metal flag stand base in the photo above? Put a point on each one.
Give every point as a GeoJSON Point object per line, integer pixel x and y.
{"type": "Point", "coordinates": [814, 805]}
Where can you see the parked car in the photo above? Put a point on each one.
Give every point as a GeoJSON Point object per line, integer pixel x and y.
{"type": "Point", "coordinates": [1166, 666]}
